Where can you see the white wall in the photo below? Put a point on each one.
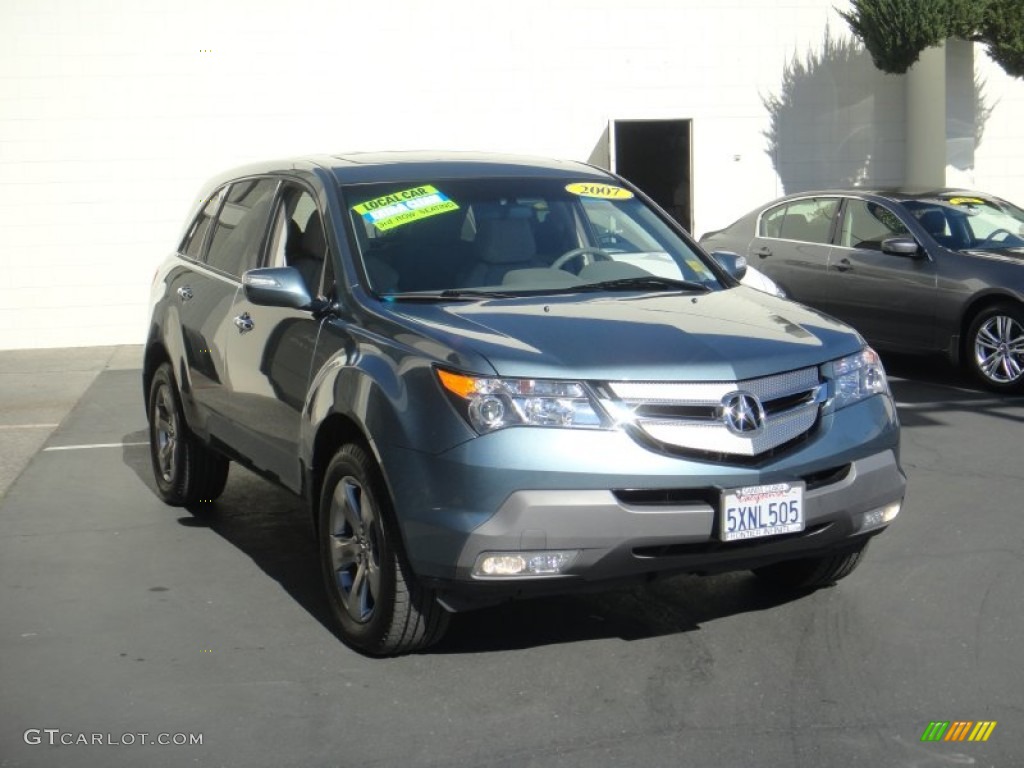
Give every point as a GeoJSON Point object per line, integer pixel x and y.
{"type": "Point", "coordinates": [999, 156]}
{"type": "Point", "coordinates": [112, 112]}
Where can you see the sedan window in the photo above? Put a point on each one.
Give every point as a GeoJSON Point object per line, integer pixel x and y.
{"type": "Point", "coordinates": [866, 225]}
{"type": "Point", "coordinates": [808, 220]}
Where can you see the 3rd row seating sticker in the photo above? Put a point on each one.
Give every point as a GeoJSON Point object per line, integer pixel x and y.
{"type": "Point", "coordinates": [602, 191]}
{"type": "Point", "coordinates": [403, 207]}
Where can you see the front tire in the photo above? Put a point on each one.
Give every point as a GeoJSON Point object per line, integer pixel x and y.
{"type": "Point", "coordinates": [187, 472]}
{"type": "Point", "coordinates": [995, 348]}
{"type": "Point", "coordinates": [376, 601]}
{"type": "Point", "coordinates": [813, 572]}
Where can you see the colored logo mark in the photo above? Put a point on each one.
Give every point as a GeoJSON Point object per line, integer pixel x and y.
{"type": "Point", "coordinates": [958, 730]}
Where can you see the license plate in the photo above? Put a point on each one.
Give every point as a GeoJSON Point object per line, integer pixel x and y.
{"type": "Point", "coordinates": [762, 510]}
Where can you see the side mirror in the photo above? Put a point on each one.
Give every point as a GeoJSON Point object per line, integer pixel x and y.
{"type": "Point", "coordinates": [277, 287]}
{"type": "Point", "coordinates": [901, 246]}
{"type": "Point", "coordinates": [732, 263]}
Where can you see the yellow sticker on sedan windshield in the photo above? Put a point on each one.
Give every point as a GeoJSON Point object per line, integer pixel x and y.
{"type": "Point", "coordinates": [403, 207]}
{"type": "Point", "coordinates": [965, 201]}
{"type": "Point", "coordinates": [603, 191]}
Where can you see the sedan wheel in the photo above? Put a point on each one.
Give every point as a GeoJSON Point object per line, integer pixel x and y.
{"type": "Point", "coordinates": [996, 341]}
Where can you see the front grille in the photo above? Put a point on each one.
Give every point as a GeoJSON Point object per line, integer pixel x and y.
{"type": "Point", "coordinates": [691, 416]}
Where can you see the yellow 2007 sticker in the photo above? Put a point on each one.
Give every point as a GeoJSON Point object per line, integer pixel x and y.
{"type": "Point", "coordinates": [594, 189]}
{"type": "Point", "coordinates": [405, 206]}
{"type": "Point", "coordinates": [966, 201]}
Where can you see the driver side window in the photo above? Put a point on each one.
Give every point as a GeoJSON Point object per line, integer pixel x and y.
{"type": "Point", "coordinates": [298, 239]}
{"type": "Point", "coordinates": [867, 224]}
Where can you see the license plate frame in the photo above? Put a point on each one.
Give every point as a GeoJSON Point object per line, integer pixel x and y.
{"type": "Point", "coordinates": [761, 511]}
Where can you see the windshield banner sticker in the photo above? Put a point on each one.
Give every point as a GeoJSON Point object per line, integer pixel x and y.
{"type": "Point", "coordinates": [404, 207]}
{"type": "Point", "coordinates": [965, 201]}
{"type": "Point", "coordinates": [602, 191]}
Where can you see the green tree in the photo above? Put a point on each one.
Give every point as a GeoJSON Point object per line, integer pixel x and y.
{"type": "Point", "coordinates": [896, 31]}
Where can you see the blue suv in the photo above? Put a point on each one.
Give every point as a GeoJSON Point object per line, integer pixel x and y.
{"type": "Point", "coordinates": [498, 377]}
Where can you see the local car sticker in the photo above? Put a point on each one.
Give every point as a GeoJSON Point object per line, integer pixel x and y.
{"type": "Point", "coordinates": [965, 201]}
{"type": "Point", "coordinates": [602, 191]}
{"type": "Point", "coordinates": [403, 207]}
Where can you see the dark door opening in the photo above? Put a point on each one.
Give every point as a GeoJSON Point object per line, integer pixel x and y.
{"type": "Point", "coordinates": [656, 156]}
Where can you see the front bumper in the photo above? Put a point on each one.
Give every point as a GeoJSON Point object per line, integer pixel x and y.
{"type": "Point", "coordinates": [618, 539]}
{"type": "Point", "coordinates": [630, 511]}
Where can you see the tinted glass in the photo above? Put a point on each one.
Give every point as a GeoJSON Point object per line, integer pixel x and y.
{"type": "Point", "coordinates": [866, 225]}
{"type": "Point", "coordinates": [192, 245]}
{"type": "Point", "coordinates": [809, 220]}
{"type": "Point", "coordinates": [513, 234]}
{"type": "Point", "coordinates": [965, 221]}
{"type": "Point", "coordinates": [297, 238]}
{"type": "Point", "coordinates": [241, 226]}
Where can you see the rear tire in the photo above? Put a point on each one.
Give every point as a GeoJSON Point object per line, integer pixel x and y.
{"type": "Point", "coordinates": [187, 472]}
{"type": "Point", "coordinates": [995, 348]}
{"type": "Point", "coordinates": [813, 572]}
{"type": "Point", "coordinates": [374, 596]}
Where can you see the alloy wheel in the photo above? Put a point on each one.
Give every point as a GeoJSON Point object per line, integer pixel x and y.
{"type": "Point", "coordinates": [165, 426]}
{"type": "Point", "coordinates": [355, 545]}
{"type": "Point", "coordinates": [999, 349]}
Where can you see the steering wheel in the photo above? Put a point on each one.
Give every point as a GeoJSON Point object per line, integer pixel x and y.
{"type": "Point", "coordinates": [589, 254]}
{"type": "Point", "coordinates": [991, 237]}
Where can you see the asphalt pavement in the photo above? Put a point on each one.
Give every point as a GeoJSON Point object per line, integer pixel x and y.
{"type": "Point", "coordinates": [125, 623]}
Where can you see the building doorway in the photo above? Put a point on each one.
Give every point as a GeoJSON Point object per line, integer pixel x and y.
{"type": "Point", "coordinates": [656, 155]}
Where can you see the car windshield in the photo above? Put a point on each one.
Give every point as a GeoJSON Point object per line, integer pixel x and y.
{"type": "Point", "coordinates": [966, 222]}
{"type": "Point", "coordinates": [512, 236]}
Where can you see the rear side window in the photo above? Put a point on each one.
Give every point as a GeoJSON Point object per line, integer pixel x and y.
{"type": "Point", "coordinates": [241, 226]}
{"type": "Point", "coordinates": [809, 220]}
{"type": "Point", "coordinates": [192, 245]}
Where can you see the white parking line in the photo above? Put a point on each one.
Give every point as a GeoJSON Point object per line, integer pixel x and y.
{"type": "Point", "coordinates": [28, 426]}
{"type": "Point", "coordinates": [87, 447]}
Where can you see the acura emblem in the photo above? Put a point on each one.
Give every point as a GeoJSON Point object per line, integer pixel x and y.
{"type": "Point", "coordinates": [742, 413]}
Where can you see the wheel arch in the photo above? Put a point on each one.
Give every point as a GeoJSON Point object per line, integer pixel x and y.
{"type": "Point", "coordinates": [336, 430]}
{"type": "Point", "coordinates": [959, 351]}
{"type": "Point", "coordinates": [156, 355]}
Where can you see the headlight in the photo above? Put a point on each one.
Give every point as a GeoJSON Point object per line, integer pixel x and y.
{"type": "Point", "coordinates": [857, 377]}
{"type": "Point", "coordinates": [490, 403]}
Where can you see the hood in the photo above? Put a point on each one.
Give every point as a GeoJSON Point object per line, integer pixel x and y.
{"type": "Point", "coordinates": [733, 334]}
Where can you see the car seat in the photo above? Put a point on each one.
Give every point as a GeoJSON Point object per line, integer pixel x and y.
{"type": "Point", "coordinates": [503, 245]}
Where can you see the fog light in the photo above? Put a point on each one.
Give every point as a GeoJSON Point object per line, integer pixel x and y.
{"type": "Point", "coordinates": [503, 564]}
{"type": "Point", "coordinates": [880, 516]}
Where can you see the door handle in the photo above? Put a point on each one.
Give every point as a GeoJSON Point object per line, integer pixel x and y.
{"type": "Point", "coordinates": [844, 265]}
{"type": "Point", "coordinates": [764, 252]}
{"type": "Point", "coordinates": [185, 293]}
{"type": "Point", "coordinates": [244, 323]}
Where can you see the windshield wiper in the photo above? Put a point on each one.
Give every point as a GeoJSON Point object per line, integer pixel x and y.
{"type": "Point", "coordinates": [451, 294]}
{"type": "Point", "coordinates": [651, 282]}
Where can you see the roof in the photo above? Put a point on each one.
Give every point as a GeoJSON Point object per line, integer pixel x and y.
{"type": "Point", "coordinates": [395, 166]}
{"type": "Point", "coordinates": [895, 193]}
{"type": "Point", "coordinates": [366, 167]}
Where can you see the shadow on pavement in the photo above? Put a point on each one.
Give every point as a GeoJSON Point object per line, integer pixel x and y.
{"type": "Point", "coordinates": [666, 607]}
{"type": "Point", "coordinates": [925, 387]}
{"type": "Point", "coordinates": [271, 527]}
